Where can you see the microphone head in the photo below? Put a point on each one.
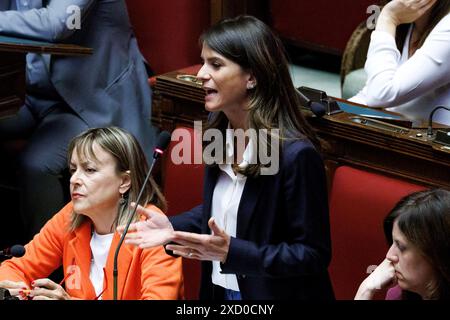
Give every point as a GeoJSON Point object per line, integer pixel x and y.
{"type": "Point", "coordinates": [318, 109]}
{"type": "Point", "coordinates": [17, 251]}
{"type": "Point", "coordinates": [162, 144]}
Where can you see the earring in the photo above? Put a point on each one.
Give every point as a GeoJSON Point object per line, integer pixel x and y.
{"type": "Point", "coordinates": [122, 200]}
{"type": "Point", "coordinates": [251, 86]}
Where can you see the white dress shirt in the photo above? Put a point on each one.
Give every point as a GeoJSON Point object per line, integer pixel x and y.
{"type": "Point", "coordinates": [225, 203]}
{"type": "Point", "coordinates": [414, 85]}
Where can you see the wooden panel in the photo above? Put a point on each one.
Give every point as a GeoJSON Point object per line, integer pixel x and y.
{"type": "Point", "coordinates": [405, 155]}
{"type": "Point", "coordinates": [12, 67]}
{"type": "Point", "coordinates": [230, 8]}
{"type": "Point", "coordinates": [177, 102]}
{"type": "Point", "coordinates": [12, 82]}
{"type": "Point", "coordinates": [402, 155]}
{"type": "Point", "coordinates": [216, 11]}
{"type": "Point", "coordinates": [12, 44]}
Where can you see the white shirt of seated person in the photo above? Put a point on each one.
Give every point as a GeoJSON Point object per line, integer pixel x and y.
{"type": "Point", "coordinates": [411, 86]}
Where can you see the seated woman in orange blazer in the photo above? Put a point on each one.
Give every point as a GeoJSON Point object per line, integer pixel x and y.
{"type": "Point", "coordinates": [107, 167]}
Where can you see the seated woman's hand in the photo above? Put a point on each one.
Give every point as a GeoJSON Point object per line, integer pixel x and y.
{"type": "Point", "coordinates": [406, 11]}
{"type": "Point", "coordinates": [46, 289]}
{"type": "Point", "coordinates": [156, 230]}
{"type": "Point", "coordinates": [14, 287]}
{"type": "Point", "coordinates": [382, 277]}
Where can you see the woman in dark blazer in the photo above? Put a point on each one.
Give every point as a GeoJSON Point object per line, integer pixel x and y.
{"type": "Point", "coordinates": [263, 229]}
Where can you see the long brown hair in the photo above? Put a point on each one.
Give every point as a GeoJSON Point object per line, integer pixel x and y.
{"type": "Point", "coordinates": [127, 152]}
{"type": "Point", "coordinates": [424, 218]}
{"type": "Point", "coordinates": [274, 101]}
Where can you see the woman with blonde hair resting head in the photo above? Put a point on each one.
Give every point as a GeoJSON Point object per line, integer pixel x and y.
{"type": "Point", "coordinates": [417, 264]}
{"type": "Point", "coordinates": [107, 168]}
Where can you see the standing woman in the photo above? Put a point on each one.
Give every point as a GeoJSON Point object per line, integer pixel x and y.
{"type": "Point", "coordinates": [108, 168]}
{"type": "Point", "coordinates": [260, 235]}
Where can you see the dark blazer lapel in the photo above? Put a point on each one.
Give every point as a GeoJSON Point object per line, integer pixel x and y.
{"type": "Point", "coordinates": [250, 196]}
{"type": "Point", "coordinates": [211, 175]}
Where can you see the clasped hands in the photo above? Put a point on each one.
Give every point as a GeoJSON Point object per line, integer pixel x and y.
{"type": "Point", "coordinates": [157, 230]}
{"type": "Point", "coordinates": [41, 289]}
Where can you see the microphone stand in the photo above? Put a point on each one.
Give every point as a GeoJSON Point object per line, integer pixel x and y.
{"type": "Point", "coordinates": [430, 119]}
{"type": "Point", "coordinates": [156, 154]}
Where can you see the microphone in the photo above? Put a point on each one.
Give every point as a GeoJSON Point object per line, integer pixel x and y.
{"type": "Point", "coordinates": [5, 295]}
{"type": "Point", "coordinates": [16, 250]}
{"type": "Point", "coordinates": [430, 119]}
{"type": "Point", "coordinates": [317, 108]}
{"type": "Point", "coordinates": [161, 145]}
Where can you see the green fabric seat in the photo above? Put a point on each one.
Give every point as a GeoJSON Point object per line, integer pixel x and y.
{"type": "Point", "coordinates": [354, 81]}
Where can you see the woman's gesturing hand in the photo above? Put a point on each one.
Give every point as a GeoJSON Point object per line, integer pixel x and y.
{"type": "Point", "coordinates": [156, 230]}
{"type": "Point", "coordinates": [210, 247]}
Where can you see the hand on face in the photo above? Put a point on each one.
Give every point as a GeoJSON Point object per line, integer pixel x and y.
{"type": "Point", "coordinates": [46, 289]}
{"type": "Point", "coordinates": [382, 277]}
{"type": "Point", "coordinates": [406, 11]}
{"type": "Point", "coordinates": [207, 247]}
{"type": "Point", "coordinates": [156, 230]}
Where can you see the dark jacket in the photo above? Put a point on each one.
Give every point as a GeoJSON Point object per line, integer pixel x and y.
{"type": "Point", "coordinates": [282, 247]}
{"type": "Point", "coordinates": [109, 87]}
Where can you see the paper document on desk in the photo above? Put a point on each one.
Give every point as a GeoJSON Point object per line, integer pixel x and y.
{"type": "Point", "coordinates": [367, 112]}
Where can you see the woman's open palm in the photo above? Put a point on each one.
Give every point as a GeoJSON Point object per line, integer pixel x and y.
{"type": "Point", "coordinates": [156, 230]}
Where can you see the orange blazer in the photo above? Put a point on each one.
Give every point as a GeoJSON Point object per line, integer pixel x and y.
{"type": "Point", "coordinates": [142, 274]}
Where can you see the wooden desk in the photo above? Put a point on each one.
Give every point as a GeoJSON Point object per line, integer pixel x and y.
{"type": "Point", "coordinates": [403, 154]}
{"type": "Point", "coordinates": [12, 67]}
{"type": "Point", "coordinates": [177, 102]}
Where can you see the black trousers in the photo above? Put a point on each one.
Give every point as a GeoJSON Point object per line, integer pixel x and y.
{"type": "Point", "coordinates": [40, 165]}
